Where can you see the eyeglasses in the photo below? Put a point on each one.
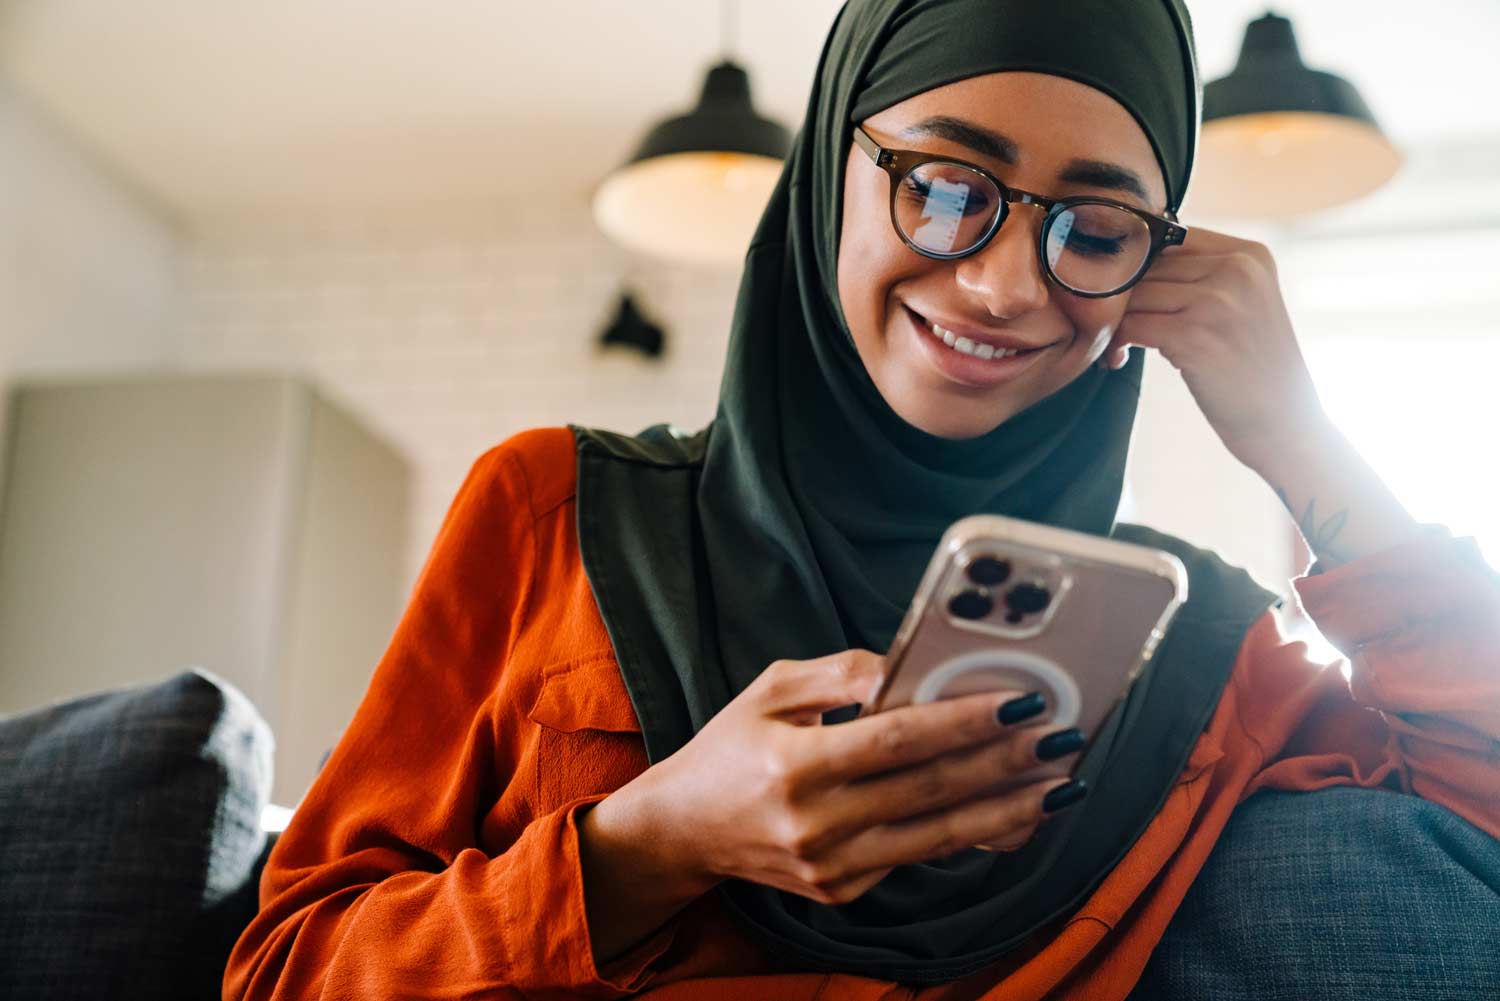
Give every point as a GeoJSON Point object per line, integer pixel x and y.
{"type": "Point", "coordinates": [946, 209]}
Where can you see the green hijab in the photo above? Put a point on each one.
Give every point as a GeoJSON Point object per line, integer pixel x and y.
{"type": "Point", "coordinates": [798, 523]}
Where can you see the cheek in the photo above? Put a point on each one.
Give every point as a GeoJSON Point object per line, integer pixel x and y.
{"type": "Point", "coordinates": [871, 259]}
{"type": "Point", "coordinates": [1094, 322]}
{"type": "Point", "coordinates": [855, 267]}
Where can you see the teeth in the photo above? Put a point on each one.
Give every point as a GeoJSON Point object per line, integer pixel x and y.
{"type": "Point", "coordinates": [972, 347]}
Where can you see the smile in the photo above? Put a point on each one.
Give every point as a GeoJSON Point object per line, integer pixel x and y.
{"type": "Point", "coordinates": [973, 359]}
{"type": "Point", "coordinates": [964, 345]}
{"type": "Point", "coordinates": [973, 346]}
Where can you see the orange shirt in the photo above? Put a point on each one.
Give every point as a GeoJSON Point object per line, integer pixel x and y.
{"type": "Point", "coordinates": [436, 855]}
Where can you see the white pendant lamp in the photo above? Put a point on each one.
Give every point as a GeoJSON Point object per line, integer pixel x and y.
{"type": "Point", "coordinates": [1281, 140]}
{"type": "Point", "coordinates": [695, 188]}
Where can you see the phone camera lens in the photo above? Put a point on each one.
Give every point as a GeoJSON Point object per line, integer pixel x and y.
{"type": "Point", "coordinates": [1024, 599]}
{"type": "Point", "coordinates": [987, 571]}
{"type": "Point", "coordinates": [971, 604]}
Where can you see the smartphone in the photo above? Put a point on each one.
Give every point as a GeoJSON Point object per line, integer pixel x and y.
{"type": "Point", "coordinates": [1010, 604]}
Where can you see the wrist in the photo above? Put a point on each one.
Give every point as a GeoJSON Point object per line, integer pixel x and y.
{"type": "Point", "coordinates": [630, 830]}
{"type": "Point", "coordinates": [1288, 452]}
{"type": "Point", "coordinates": [1339, 504]}
{"type": "Point", "coordinates": [631, 886]}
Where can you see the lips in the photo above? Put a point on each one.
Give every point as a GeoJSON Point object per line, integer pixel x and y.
{"type": "Point", "coordinates": [960, 362]}
{"type": "Point", "coordinates": [973, 342]}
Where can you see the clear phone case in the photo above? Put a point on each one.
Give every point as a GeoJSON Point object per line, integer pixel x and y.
{"type": "Point", "coordinates": [1009, 604]}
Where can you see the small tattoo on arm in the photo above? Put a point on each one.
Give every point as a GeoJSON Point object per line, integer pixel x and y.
{"type": "Point", "coordinates": [1320, 536]}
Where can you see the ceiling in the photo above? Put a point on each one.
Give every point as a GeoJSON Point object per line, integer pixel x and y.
{"type": "Point", "coordinates": [222, 109]}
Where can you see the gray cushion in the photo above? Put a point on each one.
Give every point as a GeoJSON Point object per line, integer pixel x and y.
{"type": "Point", "coordinates": [1342, 894]}
{"type": "Point", "coordinates": [129, 839]}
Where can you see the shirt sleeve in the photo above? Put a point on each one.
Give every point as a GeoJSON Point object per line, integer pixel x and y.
{"type": "Point", "coordinates": [1420, 708]}
{"type": "Point", "coordinates": [379, 889]}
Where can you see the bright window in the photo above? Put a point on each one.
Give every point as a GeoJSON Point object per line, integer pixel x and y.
{"type": "Point", "coordinates": [1424, 410]}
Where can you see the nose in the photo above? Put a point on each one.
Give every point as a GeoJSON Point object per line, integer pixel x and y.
{"type": "Point", "coordinates": [1006, 274]}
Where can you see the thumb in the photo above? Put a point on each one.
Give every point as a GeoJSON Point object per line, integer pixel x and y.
{"type": "Point", "coordinates": [802, 690]}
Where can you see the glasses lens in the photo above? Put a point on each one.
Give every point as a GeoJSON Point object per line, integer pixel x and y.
{"type": "Point", "coordinates": [1097, 248]}
{"type": "Point", "coordinates": [945, 208]}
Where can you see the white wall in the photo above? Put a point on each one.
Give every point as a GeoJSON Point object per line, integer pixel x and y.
{"type": "Point", "coordinates": [448, 337]}
{"type": "Point", "coordinates": [1182, 480]}
{"type": "Point", "coordinates": [88, 268]}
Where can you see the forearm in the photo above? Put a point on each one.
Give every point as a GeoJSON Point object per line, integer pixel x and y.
{"type": "Point", "coordinates": [1341, 506]}
{"type": "Point", "coordinates": [634, 878]}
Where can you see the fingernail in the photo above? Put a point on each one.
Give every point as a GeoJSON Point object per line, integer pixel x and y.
{"type": "Point", "coordinates": [1024, 707]}
{"type": "Point", "coordinates": [1055, 745]}
{"type": "Point", "coordinates": [1064, 796]}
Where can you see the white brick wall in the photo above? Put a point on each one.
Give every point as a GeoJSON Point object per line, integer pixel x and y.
{"type": "Point", "coordinates": [450, 337]}
{"type": "Point", "coordinates": [88, 268]}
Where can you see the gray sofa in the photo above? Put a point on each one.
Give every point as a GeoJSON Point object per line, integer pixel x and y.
{"type": "Point", "coordinates": [130, 840]}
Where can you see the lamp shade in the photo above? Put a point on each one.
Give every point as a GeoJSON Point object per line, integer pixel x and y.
{"type": "Point", "coordinates": [696, 186]}
{"type": "Point", "coordinates": [1282, 140]}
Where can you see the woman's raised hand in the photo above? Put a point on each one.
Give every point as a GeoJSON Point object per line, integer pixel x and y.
{"type": "Point", "coordinates": [765, 793]}
{"type": "Point", "coordinates": [1213, 308]}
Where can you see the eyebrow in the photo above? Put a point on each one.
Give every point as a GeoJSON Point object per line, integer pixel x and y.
{"type": "Point", "coordinates": [1094, 173]}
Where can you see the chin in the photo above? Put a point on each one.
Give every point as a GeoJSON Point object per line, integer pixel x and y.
{"type": "Point", "coordinates": [945, 420]}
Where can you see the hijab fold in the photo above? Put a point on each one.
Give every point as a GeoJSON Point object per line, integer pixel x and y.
{"type": "Point", "coordinates": [798, 523]}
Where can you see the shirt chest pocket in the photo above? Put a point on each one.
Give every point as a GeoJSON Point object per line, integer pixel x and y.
{"type": "Point", "coordinates": [589, 740]}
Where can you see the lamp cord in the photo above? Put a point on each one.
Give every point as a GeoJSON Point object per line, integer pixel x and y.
{"type": "Point", "coordinates": [727, 28]}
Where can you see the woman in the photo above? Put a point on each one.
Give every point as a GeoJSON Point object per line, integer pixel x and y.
{"type": "Point", "coordinates": [591, 762]}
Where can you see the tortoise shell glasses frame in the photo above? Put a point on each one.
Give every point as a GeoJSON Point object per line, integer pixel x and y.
{"type": "Point", "coordinates": [899, 164]}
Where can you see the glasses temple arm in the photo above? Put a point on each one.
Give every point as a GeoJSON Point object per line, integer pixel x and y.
{"type": "Point", "coordinates": [870, 146]}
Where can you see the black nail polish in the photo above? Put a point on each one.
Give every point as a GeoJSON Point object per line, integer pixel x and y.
{"type": "Point", "coordinates": [1055, 745]}
{"type": "Point", "coordinates": [1064, 796]}
{"type": "Point", "coordinates": [1024, 707]}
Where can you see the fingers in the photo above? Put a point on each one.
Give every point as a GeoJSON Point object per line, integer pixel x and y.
{"type": "Point", "coordinates": [1015, 842]}
{"type": "Point", "coordinates": [807, 688]}
{"type": "Point", "coordinates": [994, 820]}
{"type": "Point", "coordinates": [947, 779]}
{"type": "Point", "coordinates": [1180, 267]}
{"type": "Point", "coordinates": [1154, 298]}
{"type": "Point", "coordinates": [1149, 318]}
{"type": "Point", "coordinates": [904, 736]}
{"type": "Point", "coordinates": [1146, 330]}
{"type": "Point", "coordinates": [843, 891]}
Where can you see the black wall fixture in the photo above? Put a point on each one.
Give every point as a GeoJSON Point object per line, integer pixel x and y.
{"type": "Point", "coordinates": [631, 329]}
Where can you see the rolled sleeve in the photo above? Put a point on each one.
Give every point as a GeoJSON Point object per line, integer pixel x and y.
{"type": "Point", "coordinates": [546, 925]}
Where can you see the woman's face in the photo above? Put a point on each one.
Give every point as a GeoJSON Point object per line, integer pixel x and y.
{"type": "Point", "coordinates": [890, 293]}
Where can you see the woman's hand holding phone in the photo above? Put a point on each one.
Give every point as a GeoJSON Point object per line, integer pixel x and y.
{"type": "Point", "coordinates": [765, 793]}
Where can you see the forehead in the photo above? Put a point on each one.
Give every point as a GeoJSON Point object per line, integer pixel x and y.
{"type": "Point", "coordinates": [1050, 120]}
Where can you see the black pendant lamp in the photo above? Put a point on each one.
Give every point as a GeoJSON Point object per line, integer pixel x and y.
{"type": "Point", "coordinates": [1281, 140]}
{"type": "Point", "coordinates": [696, 186]}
